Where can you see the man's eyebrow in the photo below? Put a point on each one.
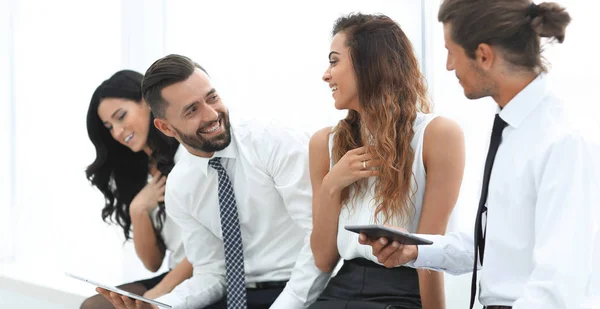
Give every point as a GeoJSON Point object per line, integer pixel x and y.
{"type": "Point", "coordinates": [211, 92]}
{"type": "Point", "coordinates": [188, 107]}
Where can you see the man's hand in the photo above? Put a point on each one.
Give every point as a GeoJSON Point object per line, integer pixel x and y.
{"type": "Point", "coordinates": [389, 254]}
{"type": "Point", "coordinates": [123, 302]}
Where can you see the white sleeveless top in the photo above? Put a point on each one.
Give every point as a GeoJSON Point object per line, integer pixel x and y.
{"type": "Point", "coordinates": [171, 232]}
{"type": "Point", "coordinates": [362, 209]}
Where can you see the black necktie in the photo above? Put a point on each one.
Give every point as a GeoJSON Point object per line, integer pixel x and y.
{"type": "Point", "coordinates": [479, 238]}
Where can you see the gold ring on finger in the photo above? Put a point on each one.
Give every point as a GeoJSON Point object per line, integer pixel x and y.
{"type": "Point", "coordinates": [364, 164]}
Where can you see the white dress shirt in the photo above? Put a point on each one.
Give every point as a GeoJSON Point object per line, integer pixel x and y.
{"type": "Point", "coordinates": [268, 166]}
{"type": "Point", "coordinates": [544, 195]}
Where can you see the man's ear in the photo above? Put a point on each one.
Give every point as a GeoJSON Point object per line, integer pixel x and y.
{"type": "Point", "coordinates": [163, 127]}
{"type": "Point", "coordinates": [485, 56]}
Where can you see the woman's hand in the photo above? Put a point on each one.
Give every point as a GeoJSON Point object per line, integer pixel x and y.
{"type": "Point", "coordinates": [149, 196]}
{"type": "Point", "coordinates": [155, 292]}
{"type": "Point", "coordinates": [353, 166]}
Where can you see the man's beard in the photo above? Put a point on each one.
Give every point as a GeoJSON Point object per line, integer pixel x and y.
{"type": "Point", "coordinates": [215, 143]}
{"type": "Point", "coordinates": [483, 88]}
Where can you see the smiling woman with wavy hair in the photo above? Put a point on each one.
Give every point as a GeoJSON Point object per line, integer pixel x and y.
{"type": "Point", "coordinates": [388, 162]}
{"type": "Point", "coordinates": [391, 90]}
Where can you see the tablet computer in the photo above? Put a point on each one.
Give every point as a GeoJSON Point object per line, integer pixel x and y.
{"type": "Point", "coordinates": [121, 292]}
{"type": "Point", "coordinates": [374, 231]}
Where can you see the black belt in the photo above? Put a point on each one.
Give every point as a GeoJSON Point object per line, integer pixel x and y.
{"type": "Point", "coordinates": [266, 285]}
{"type": "Point", "coordinates": [497, 307]}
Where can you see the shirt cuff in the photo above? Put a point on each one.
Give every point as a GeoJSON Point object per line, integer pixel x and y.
{"type": "Point", "coordinates": [430, 256]}
{"type": "Point", "coordinates": [287, 300]}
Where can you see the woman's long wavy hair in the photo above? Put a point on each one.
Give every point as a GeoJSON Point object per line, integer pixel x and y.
{"type": "Point", "coordinates": [118, 172]}
{"type": "Point", "coordinates": [391, 90]}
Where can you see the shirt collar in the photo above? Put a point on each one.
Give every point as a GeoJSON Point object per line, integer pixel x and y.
{"type": "Point", "coordinates": [515, 112]}
{"type": "Point", "coordinates": [230, 152]}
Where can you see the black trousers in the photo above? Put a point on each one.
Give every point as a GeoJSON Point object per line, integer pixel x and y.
{"type": "Point", "coordinates": [362, 284]}
{"type": "Point", "coordinates": [255, 298]}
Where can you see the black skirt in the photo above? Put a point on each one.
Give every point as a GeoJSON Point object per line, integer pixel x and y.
{"type": "Point", "coordinates": [362, 284]}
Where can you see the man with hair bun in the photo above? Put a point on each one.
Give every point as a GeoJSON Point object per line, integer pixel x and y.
{"type": "Point", "coordinates": [538, 213]}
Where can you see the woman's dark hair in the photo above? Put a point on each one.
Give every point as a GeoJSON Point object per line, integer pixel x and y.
{"type": "Point", "coordinates": [118, 172]}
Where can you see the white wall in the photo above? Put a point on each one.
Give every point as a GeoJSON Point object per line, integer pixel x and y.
{"type": "Point", "coordinates": [267, 57]}
{"type": "Point", "coordinates": [575, 72]}
{"type": "Point", "coordinates": [63, 49]}
{"type": "Point", "coordinates": [6, 124]}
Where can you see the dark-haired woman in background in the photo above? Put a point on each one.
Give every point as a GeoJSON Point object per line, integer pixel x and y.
{"type": "Point", "coordinates": [130, 150]}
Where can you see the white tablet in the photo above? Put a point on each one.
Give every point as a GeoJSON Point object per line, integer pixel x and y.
{"type": "Point", "coordinates": [121, 292]}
